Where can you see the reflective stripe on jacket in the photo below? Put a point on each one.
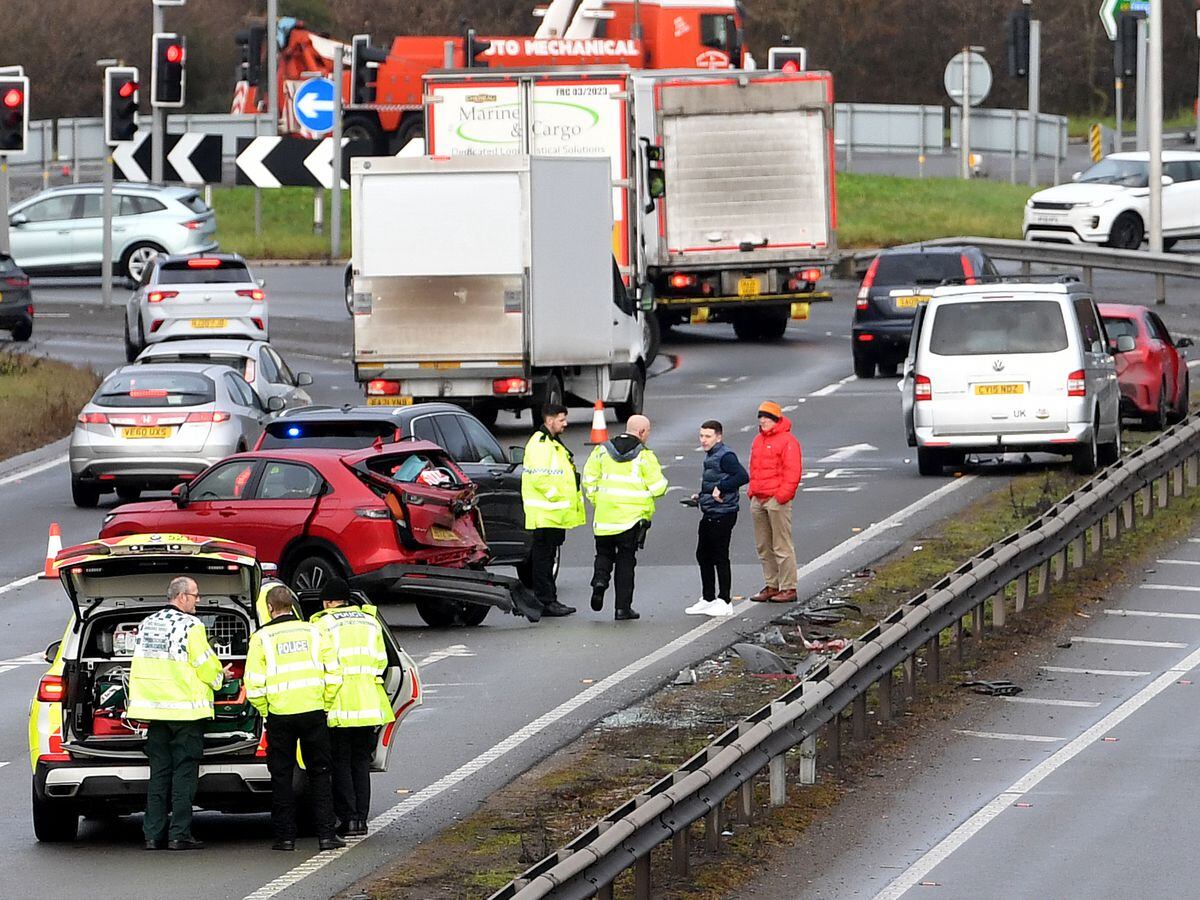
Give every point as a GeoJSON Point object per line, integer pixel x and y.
{"type": "Point", "coordinates": [174, 670]}
{"type": "Point", "coordinates": [290, 668]}
{"type": "Point", "coordinates": [356, 637]}
{"type": "Point", "coordinates": [549, 484]}
{"type": "Point", "coordinates": [622, 486]}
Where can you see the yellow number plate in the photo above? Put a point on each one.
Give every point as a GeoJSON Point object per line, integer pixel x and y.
{"type": "Point", "coordinates": [441, 533]}
{"type": "Point", "coordinates": [145, 432]}
{"type": "Point", "coordinates": [389, 401]}
{"type": "Point", "coordinates": [993, 390]}
{"type": "Point", "coordinates": [209, 323]}
{"type": "Point", "coordinates": [749, 287]}
{"type": "Point", "coordinates": [911, 302]}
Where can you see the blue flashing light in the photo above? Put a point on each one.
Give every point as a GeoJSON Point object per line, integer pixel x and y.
{"type": "Point", "coordinates": [293, 431]}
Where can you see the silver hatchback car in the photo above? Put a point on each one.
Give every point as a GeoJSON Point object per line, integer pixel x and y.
{"type": "Point", "coordinates": [60, 230]}
{"type": "Point", "coordinates": [194, 296]}
{"type": "Point", "coordinates": [151, 427]}
{"type": "Point", "coordinates": [256, 361]}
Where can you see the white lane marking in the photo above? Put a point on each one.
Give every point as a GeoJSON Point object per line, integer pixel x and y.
{"type": "Point", "coordinates": [1150, 614]}
{"type": "Point", "coordinates": [1193, 362]}
{"type": "Point", "coordinates": [20, 582]}
{"type": "Point", "coordinates": [1170, 587]}
{"type": "Point", "coordinates": [34, 470]}
{"type": "Point", "coordinates": [916, 873]}
{"type": "Point", "coordinates": [1125, 673]}
{"type": "Point", "coordinates": [29, 659]}
{"type": "Point", "coordinates": [3, 764]}
{"type": "Point", "coordinates": [1047, 701]}
{"type": "Point", "coordinates": [830, 388]}
{"type": "Point", "coordinates": [1007, 736]}
{"type": "Point", "coordinates": [446, 653]}
{"type": "Point", "coordinates": [592, 692]}
{"type": "Point", "coordinates": [1179, 562]}
{"type": "Point", "coordinates": [1122, 642]}
{"type": "Point", "coordinates": [4, 669]}
{"type": "Point", "coordinates": [842, 454]}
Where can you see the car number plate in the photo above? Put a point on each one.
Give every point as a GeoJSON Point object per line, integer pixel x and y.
{"type": "Point", "coordinates": [998, 390]}
{"type": "Point", "coordinates": [442, 533]}
{"type": "Point", "coordinates": [1047, 220]}
{"type": "Point", "coordinates": [209, 323]}
{"type": "Point", "coordinates": [749, 287]}
{"type": "Point", "coordinates": [390, 401]}
{"type": "Point", "coordinates": [143, 431]}
{"type": "Point", "coordinates": [912, 301]}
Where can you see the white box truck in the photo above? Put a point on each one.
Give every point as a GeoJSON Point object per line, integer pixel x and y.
{"type": "Point", "coordinates": [489, 281]}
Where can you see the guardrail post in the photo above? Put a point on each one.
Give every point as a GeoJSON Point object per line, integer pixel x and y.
{"type": "Point", "coordinates": [910, 679]}
{"type": "Point", "coordinates": [1043, 579]}
{"type": "Point", "coordinates": [712, 829]}
{"type": "Point", "coordinates": [999, 613]}
{"type": "Point", "coordinates": [883, 693]}
{"type": "Point", "coordinates": [745, 807]}
{"type": "Point", "coordinates": [605, 893]}
{"type": "Point", "coordinates": [977, 622]}
{"type": "Point", "coordinates": [1112, 528]}
{"type": "Point", "coordinates": [1193, 471]}
{"type": "Point", "coordinates": [1087, 276]}
{"type": "Point", "coordinates": [1059, 567]}
{"type": "Point", "coordinates": [1160, 488]}
{"type": "Point", "coordinates": [1022, 594]}
{"type": "Point", "coordinates": [641, 878]}
{"type": "Point", "coordinates": [1147, 501]}
{"type": "Point", "coordinates": [679, 852]}
{"type": "Point", "coordinates": [1026, 270]}
{"type": "Point", "coordinates": [959, 637]}
{"type": "Point", "coordinates": [1097, 540]}
{"type": "Point", "coordinates": [859, 717]}
{"type": "Point", "coordinates": [777, 771]}
{"type": "Point", "coordinates": [1077, 551]}
{"type": "Point", "coordinates": [1177, 481]}
{"type": "Point", "coordinates": [1127, 513]}
{"type": "Point", "coordinates": [808, 749]}
{"type": "Point", "coordinates": [933, 660]}
{"type": "Point", "coordinates": [1160, 289]}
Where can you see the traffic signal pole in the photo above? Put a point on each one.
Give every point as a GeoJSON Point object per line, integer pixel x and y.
{"type": "Point", "coordinates": [156, 120]}
{"type": "Point", "coordinates": [1154, 127]}
{"type": "Point", "coordinates": [4, 246]}
{"type": "Point", "coordinates": [106, 210]}
{"type": "Point", "coordinates": [1035, 90]}
{"type": "Point", "coordinates": [335, 207]}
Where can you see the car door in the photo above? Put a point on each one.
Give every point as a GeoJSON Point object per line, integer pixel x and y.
{"type": "Point", "coordinates": [506, 531]}
{"type": "Point", "coordinates": [87, 230]}
{"type": "Point", "coordinates": [41, 238]}
{"type": "Point", "coordinates": [1172, 366]}
{"type": "Point", "coordinates": [284, 500]}
{"type": "Point", "coordinates": [215, 503]}
{"type": "Point", "coordinates": [1181, 198]}
{"type": "Point", "coordinates": [250, 411]}
{"type": "Point", "coordinates": [906, 381]}
{"type": "Point", "coordinates": [402, 682]}
{"type": "Point", "coordinates": [1101, 371]}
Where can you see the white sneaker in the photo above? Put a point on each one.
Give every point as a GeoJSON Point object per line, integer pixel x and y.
{"type": "Point", "coordinates": [719, 609]}
{"type": "Point", "coordinates": [701, 607]}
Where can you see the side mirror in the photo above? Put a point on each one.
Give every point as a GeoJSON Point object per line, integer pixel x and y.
{"type": "Point", "coordinates": [516, 455]}
{"type": "Point", "coordinates": [646, 298]}
{"type": "Point", "coordinates": [51, 651]}
{"type": "Point", "coordinates": [1125, 343]}
{"type": "Point", "coordinates": [275, 404]}
{"type": "Point", "coordinates": [303, 379]}
{"type": "Point", "coordinates": [18, 219]}
{"type": "Point", "coordinates": [1167, 181]}
{"type": "Point", "coordinates": [1185, 342]}
{"type": "Point", "coordinates": [179, 494]}
{"type": "Point", "coordinates": [1075, 176]}
{"type": "Point", "coordinates": [261, 282]}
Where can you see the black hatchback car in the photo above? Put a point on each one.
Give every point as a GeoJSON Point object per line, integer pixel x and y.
{"type": "Point", "coordinates": [897, 282]}
{"type": "Point", "coordinates": [497, 474]}
{"type": "Point", "coordinates": [16, 300]}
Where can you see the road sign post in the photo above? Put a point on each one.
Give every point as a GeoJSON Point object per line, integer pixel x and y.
{"type": "Point", "coordinates": [335, 208]}
{"type": "Point", "coordinates": [314, 105]}
{"type": "Point", "coordinates": [967, 88]}
{"type": "Point", "coordinates": [156, 118]}
{"type": "Point", "coordinates": [1143, 104]}
{"type": "Point", "coordinates": [1035, 87]}
{"type": "Point", "coordinates": [1154, 115]}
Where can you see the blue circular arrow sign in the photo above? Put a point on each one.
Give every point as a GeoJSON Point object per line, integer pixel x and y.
{"type": "Point", "coordinates": [313, 105]}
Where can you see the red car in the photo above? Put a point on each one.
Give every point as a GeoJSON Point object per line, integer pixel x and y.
{"type": "Point", "coordinates": [1152, 373]}
{"type": "Point", "coordinates": [398, 521]}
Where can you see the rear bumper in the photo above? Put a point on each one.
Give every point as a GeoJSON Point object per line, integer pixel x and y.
{"type": "Point", "coordinates": [147, 472]}
{"type": "Point", "coordinates": [759, 301]}
{"type": "Point", "coordinates": [883, 340]}
{"type": "Point", "coordinates": [1136, 400]}
{"type": "Point", "coordinates": [1047, 442]}
{"type": "Point", "coordinates": [182, 328]}
{"type": "Point", "coordinates": [400, 581]}
{"type": "Point", "coordinates": [242, 786]}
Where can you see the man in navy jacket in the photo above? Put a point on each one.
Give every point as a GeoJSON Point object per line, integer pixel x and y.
{"type": "Point", "coordinates": [718, 500]}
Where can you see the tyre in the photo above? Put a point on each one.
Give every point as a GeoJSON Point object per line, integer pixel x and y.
{"type": "Point", "coordinates": [365, 131]}
{"type": "Point", "coordinates": [85, 496]}
{"type": "Point", "coordinates": [929, 462]}
{"type": "Point", "coordinates": [745, 326]}
{"type": "Point", "coordinates": [349, 280]}
{"type": "Point", "coordinates": [128, 494]}
{"type": "Point", "coordinates": [888, 370]}
{"type": "Point", "coordinates": [54, 822]}
{"type": "Point", "coordinates": [637, 398]}
{"type": "Point", "coordinates": [313, 572]}
{"type": "Point", "coordinates": [773, 324]}
{"type": "Point", "coordinates": [1126, 232]}
{"type": "Point", "coordinates": [651, 337]}
{"type": "Point", "coordinates": [411, 129]}
{"type": "Point", "coordinates": [1085, 458]}
{"type": "Point", "coordinates": [131, 350]}
{"type": "Point", "coordinates": [551, 393]}
{"type": "Point", "coordinates": [665, 323]}
{"type": "Point", "coordinates": [1183, 401]}
{"type": "Point", "coordinates": [864, 368]}
{"type": "Point", "coordinates": [1159, 419]}
{"type": "Point", "coordinates": [23, 331]}
{"type": "Point", "coordinates": [1111, 452]}
{"type": "Point", "coordinates": [135, 258]}
{"type": "Point", "coordinates": [448, 613]}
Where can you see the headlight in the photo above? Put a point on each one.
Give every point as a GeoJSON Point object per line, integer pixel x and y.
{"type": "Point", "coordinates": [1029, 203]}
{"type": "Point", "coordinates": [1095, 203]}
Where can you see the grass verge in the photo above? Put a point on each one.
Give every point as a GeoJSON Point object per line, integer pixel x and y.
{"type": "Point", "coordinates": [39, 399]}
{"type": "Point", "coordinates": [547, 806]}
{"type": "Point", "coordinates": [287, 223]}
{"type": "Point", "coordinates": [1078, 125]}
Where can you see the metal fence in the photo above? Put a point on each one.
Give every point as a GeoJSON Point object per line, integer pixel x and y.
{"type": "Point", "coordinates": [1007, 131]}
{"type": "Point", "coordinates": [1005, 577]}
{"type": "Point", "coordinates": [888, 128]}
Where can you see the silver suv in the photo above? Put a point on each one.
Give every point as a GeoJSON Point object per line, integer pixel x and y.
{"type": "Point", "coordinates": [1007, 366]}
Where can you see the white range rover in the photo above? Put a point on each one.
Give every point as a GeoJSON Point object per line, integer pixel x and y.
{"type": "Point", "coordinates": [1109, 203]}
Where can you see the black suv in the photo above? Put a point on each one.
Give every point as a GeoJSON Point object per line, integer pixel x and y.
{"type": "Point", "coordinates": [897, 282]}
{"type": "Point", "coordinates": [16, 301]}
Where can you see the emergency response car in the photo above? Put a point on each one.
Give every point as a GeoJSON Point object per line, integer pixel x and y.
{"type": "Point", "coordinates": [86, 754]}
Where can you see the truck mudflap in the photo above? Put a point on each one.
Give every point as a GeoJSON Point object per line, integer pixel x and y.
{"type": "Point", "coordinates": [402, 581]}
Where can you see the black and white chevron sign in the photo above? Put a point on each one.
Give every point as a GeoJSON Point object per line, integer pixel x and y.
{"type": "Point", "coordinates": [271, 162]}
{"type": "Point", "coordinates": [192, 158]}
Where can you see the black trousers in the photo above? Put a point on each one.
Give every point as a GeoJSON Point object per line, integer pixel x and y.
{"type": "Point", "coordinates": [712, 553]}
{"type": "Point", "coordinates": [352, 752]}
{"type": "Point", "coordinates": [542, 554]}
{"type": "Point", "coordinates": [174, 750]}
{"type": "Point", "coordinates": [283, 733]}
{"type": "Point", "coordinates": [617, 551]}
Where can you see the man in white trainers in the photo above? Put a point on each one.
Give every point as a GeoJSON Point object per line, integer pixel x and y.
{"type": "Point", "coordinates": [718, 501]}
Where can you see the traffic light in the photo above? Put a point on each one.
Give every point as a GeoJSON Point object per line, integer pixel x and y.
{"type": "Point", "coordinates": [169, 72]}
{"type": "Point", "coordinates": [14, 114]}
{"type": "Point", "coordinates": [250, 40]}
{"type": "Point", "coordinates": [120, 104]}
{"type": "Point", "coordinates": [787, 59]}
{"type": "Point", "coordinates": [1017, 42]}
{"type": "Point", "coordinates": [362, 80]}
{"type": "Point", "coordinates": [1126, 45]}
{"type": "Point", "coordinates": [656, 177]}
{"type": "Point", "coordinates": [473, 48]}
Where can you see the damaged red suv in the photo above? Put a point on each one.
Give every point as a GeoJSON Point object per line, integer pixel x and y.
{"type": "Point", "coordinates": [398, 521]}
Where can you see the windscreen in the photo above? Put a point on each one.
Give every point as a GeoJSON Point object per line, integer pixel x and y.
{"type": "Point", "coordinates": [147, 388]}
{"type": "Point", "coordinates": [911, 269]}
{"type": "Point", "coordinates": [998, 327]}
{"type": "Point", "coordinates": [1124, 172]}
{"type": "Point", "coordinates": [344, 434]}
{"type": "Point", "coordinates": [204, 270]}
{"type": "Point", "coordinates": [1120, 327]}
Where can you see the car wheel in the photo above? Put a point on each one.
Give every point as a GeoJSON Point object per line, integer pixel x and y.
{"type": "Point", "coordinates": [131, 350]}
{"type": "Point", "coordinates": [637, 397]}
{"type": "Point", "coordinates": [449, 613]}
{"type": "Point", "coordinates": [929, 461]}
{"type": "Point", "coordinates": [1111, 452]}
{"type": "Point", "coordinates": [864, 368]}
{"type": "Point", "coordinates": [1085, 457]}
{"type": "Point", "coordinates": [23, 331]}
{"type": "Point", "coordinates": [85, 496]}
{"type": "Point", "coordinates": [366, 131]}
{"type": "Point", "coordinates": [1126, 232]}
{"type": "Point", "coordinates": [349, 287]}
{"type": "Point", "coordinates": [128, 494]}
{"type": "Point", "coordinates": [1183, 401]}
{"type": "Point", "coordinates": [312, 573]}
{"type": "Point", "coordinates": [141, 344]}
{"type": "Point", "coordinates": [1158, 420]}
{"type": "Point", "coordinates": [651, 337]}
{"type": "Point", "coordinates": [54, 822]}
{"type": "Point", "coordinates": [887, 370]}
{"type": "Point", "coordinates": [772, 324]}
{"type": "Point", "coordinates": [746, 326]}
{"type": "Point", "coordinates": [133, 263]}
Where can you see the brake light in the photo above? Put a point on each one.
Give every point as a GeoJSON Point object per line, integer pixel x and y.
{"type": "Point", "coordinates": [192, 225]}
{"type": "Point", "coordinates": [160, 296]}
{"type": "Point", "coordinates": [258, 323]}
{"type": "Point", "coordinates": [510, 386]}
{"type": "Point", "coordinates": [922, 388]}
{"type": "Point", "coordinates": [811, 275]}
{"type": "Point", "coordinates": [381, 387]}
{"type": "Point", "coordinates": [93, 418]}
{"type": "Point", "coordinates": [682, 280]}
{"type": "Point", "coordinates": [968, 270]}
{"type": "Point", "coordinates": [207, 417]}
{"type": "Point", "coordinates": [51, 689]}
{"type": "Point", "coordinates": [203, 262]}
{"type": "Point", "coordinates": [1077, 384]}
{"type": "Point", "coordinates": [256, 294]}
{"type": "Point", "coordinates": [866, 337]}
{"type": "Point", "coordinates": [16, 281]}
{"type": "Point", "coordinates": [868, 280]}
{"type": "Point", "coordinates": [147, 393]}
{"type": "Point", "coordinates": [156, 324]}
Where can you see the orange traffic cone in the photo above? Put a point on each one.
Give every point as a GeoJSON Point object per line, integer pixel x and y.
{"type": "Point", "coordinates": [53, 545]}
{"type": "Point", "coordinates": [599, 424]}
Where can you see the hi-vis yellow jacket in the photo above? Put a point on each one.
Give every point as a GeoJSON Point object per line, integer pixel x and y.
{"type": "Point", "coordinates": [357, 641]}
{"type": "Point", "coordinates": [290, 668]}
{"type": "Point", "coordinates": [549, 484]}
{"type": "Point", "coordinates": [622, 479]}
{"type": "Point", "coordinates": [174, 670]}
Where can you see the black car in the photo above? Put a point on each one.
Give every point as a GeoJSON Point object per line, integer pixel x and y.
{"type": "Point", "coordinates": [496, 473]}
{"type": "Point", "coordinates": [897, 282]}
{"type": "Point", "coordinates": [16, 300]}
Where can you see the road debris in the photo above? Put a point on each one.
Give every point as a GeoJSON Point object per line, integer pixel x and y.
{"type": "Point", "coordinates": [685, 676]}
{"type": "Point", "coordinates": [998, 688]}
{"type": "Point", "coordinates": [761, 661]}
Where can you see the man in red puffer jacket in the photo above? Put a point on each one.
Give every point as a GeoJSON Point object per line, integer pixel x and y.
{"type": "Point", "coordinates": [775, 470]}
